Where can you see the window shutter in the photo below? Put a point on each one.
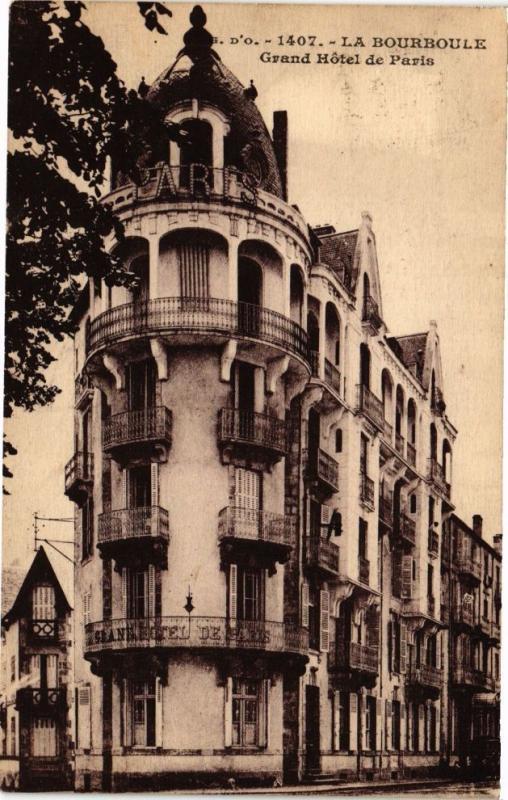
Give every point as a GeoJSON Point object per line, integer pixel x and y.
{"type": "Point", "coordinates": [233, 592]}
{"type": "Point", "coordinates": [437, 706]}
{"type": "Point", "coordinates": [388, 724]}
{"type": "Point", "coordinates": [421, 728]}
{"type": "Point", "coordinates": [151, 590]}
{"type": "Point", "coordinates": [305, 604]}
{"type": "Point", "coordinates": [264, 709]}
{"type": "Point", "coordinates": [125, 488]}
{"type": "Point", "coordinates": [409, 723]}
{"type": "Point", "coordinates": [403, 646]}
{"type": "Point", "coordinates": [379, 724]}
{"type": "Point", "coordinates": [391, 645]}
{"type": "Point", "coordinates": [326, 515]}
{"type": "Point", "coordinates": [407, 576]}
{"type": "Point", "coordinates": [438, 650]}
{"type": "Point", "coordinates": [158, 712]}
{"type": "Point", "coordinates": [84, 721]}
{"type": "Point", "coordinates": [336, 721]}
{"type": "Point", "coordinates": [324, 627]}
{"type": "Point", "coordinates": [403, 744]}
{"type": "Point", "coordinates": [228, 713]}
{"type": "Point", "coordinates": [124, 593]}
{"type": "Point", "coordinates": [397, 573]}
{"type": "Point", "coordinates": [154, 484]}
{"type": "Point", "coordinates": [126, 717]}
{"type": "Point", "coordinates": [353, 722]}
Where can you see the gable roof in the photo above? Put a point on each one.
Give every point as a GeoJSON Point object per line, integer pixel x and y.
{"type": "Point", "coordinates": [411, 350]}
{"type": "Point", "coordinates": [40, 569]}
{"type": "Point", "coordinates": [337, 251]}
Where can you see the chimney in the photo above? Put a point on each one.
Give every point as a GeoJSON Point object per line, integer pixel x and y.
{"type": "Point", "coordinates": [280, 145]}
{"type": "Point", "coordinates": [477, 524]}
{"type": "Point", "coordinates": [498, 543]}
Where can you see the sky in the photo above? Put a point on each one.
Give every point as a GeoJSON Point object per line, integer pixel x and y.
{"type": "Point", "coordinates": [421, 147]}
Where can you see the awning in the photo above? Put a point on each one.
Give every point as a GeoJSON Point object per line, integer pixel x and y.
{"type": "Point", "coordinates": [487, 699]}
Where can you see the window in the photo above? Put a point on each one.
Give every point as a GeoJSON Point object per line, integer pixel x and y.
{"type": "Point", "coordinates": [430, 581]}
{"type": "Point", "coordinates": [338, 440]}
{"type": "Point", "coordinates": [370, 723]}
{"type": "Point", "coordinates": [251, 594]}
{"type": "Point", "coordinates": [412, 504]}
{"type": "Point", "coordinates": [364, 448]}
{"type": "Point", "coordinates": [362, 538]}
{"type": "Point", "coordinates": [13, 736]}
{"type": "Point", "coordinates": [485, 607]}
{"type": "Point", "coordinates": [87, 525]}
{"type": "Point", "coordinates": [141, 380]}
{"type": "Point", "coordinates": [431, 511]}
{"type": "Point", "coordinates": [43, 602]}
{"type": "Point", "coordinates": [137, 593]}
{"type": "Point", "coordinates": [13, 669]}
{"type": "Point", "coordinates": [44, 737]}
{"type": "Point", "coordinates": [143, 713]}
{"type": "Point", "coordinates": [246, 712]}
{"type": "Point", "coordinates": [396, 725]}
{"type": "Point", "coordinates": [394, 644]}
{"type": "Point", "coordinates": [432, 715]}
{"type": "Point", "coordinates": [140, 487]}
{"type": "Point", "coordinates": [344, 721]}
{"type": "Point", "coordinates": [416, 727]}
{"type": "Point", "coordinates": [313, 618]}
{"type": "Point", "coordinates": [193, 259]}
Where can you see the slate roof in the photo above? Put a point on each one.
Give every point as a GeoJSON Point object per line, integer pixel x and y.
{"type": "Point", "coordinates": [12, 578]}
{"type": "Point", "coordinates": [14, 600]}
{"type": "Point", "coordinates": [411, 351]}
{"type": "Point", "coordinates": [337, 251]}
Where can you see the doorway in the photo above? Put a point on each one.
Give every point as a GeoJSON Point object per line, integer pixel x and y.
{"type": "Point", "coordinates": [312, 733]}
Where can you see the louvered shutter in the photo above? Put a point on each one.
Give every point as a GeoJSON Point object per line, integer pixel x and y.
{"type": "Point", "coordinates": [403, 646]}
{"type": "Point", "coordinates": [407, 576]}
{"type": "Point", "coordinates": [409, 723]}
{"type": "Point", "coordinates": [126, 716]}
{"type": "Point", "coordinates": [373, 621]}
{"type": "Point", "coordinates": [154, 484]}
{"type": "Point", "coordinates": [158, 712]}
{"type": "Point", "coordinates": [305, 604]}
{"type": "Point", "coordinates": [324, 627]}
{"type": "Point", "coordinates": [124, 593]}
{"type": "Point", "coordinates": [379, 724]}
{"type": "Point", "coordinates": [264, 710]}
{"type": "Point", "coordinates": [125, 488]}
{"type": "Point", "coordinates": [421, 728]}
{"type": "Point", "coordinates": [438, 726]}
{"type": "Point", "coordinates": [151, 590]}
{"type": "Point", "coordinates": [233, 592]}
{"type": "Point", "coordinates": [228, 713]}
{"type": "Point", "coordinates": [438, 650]}
{"type": "Point", "coordinates": [84, 720]}
{"type": "Point", "coordinates": [353, 722]}
{"type": "Point", "coordinates": [326, 515]}
{"type": "Point", "coordinates": [397, 573]}
{"type": "Point", "coordinates": [336, 721]}
{"type": "Point", "coordinates": [248, 498]}
{"type": "Point", "coordinates": [390, 634]}
{"type": "Point", "coordinates": [388, 724]}
{"type": "Point", "coordinates": [403, 742]}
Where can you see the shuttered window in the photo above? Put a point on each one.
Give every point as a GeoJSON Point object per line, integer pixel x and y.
{"type": "Point", "coordinates": [194, 260]}
{"type": "Point", "coordinates": [143, 713]}
{"type": "Point", "coordinates": [44, 742]}
{"type": "Point", "coordinates": [248, 713]}
{"type": "Point", "coordinates": [43, 603]}
{"type": "Point", "coordinates": [83, 722]}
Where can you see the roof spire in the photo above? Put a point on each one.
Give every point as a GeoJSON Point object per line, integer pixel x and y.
{"type": "Point", "coordinates": [198, 41]}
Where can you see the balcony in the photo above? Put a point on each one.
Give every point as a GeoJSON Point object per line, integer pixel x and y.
{"type": "Point", "coordinates": [437, 402]}
{"type": "Point", "coordinates": [186, 318]}
{"type": "Point", "coordinates": [332, 376]}
{"type": "Point", "coordinates": [323, 556]}
{"type": "Point", "coordinates": [425, 677]}
{"type": "Point", "coordinates": [495, 631]}
{"type": "Point", "coordinates": [250, 431]}
{"type": "Point", "coordinates": [354, 657]}
{"type": "Point", "coordinates": [366, 491]}
{"type": "Point", "coordinates": [41, 700]}
{"type": "Point", "coordinates": [463, 615]}
{"type": "Point", "coordinates": [437, 476]}
{"type": "Point", "coordinates": [201, 633]}
{"type": "Point", "coordinates": [411, 454]}
{"type": "Point", "coordinates": [399, 444]}
{"type": "Point", "coordinates": [371, 407]}
{"type": "Point", "coordinates": [135, 434]}
{"type": "Point", "coordinates": [79, 477]}
{"type": "Point", "coordinates": [406, 529]}
{"type": "Point", "coordinates": [468, 677]}
{"type": "Point", "coordinates": [134, 535]}
{"type": "Point", "coordinates": [42, 631]}
{"type": "Point", "coordinates": [468, 567]}
{"type": "Point", "coordinates": [386, 510]}
{"type": "Point", "coordinates": [83, 389]}
{"type": "Point", "coordinates": [370, 314]}
{"type": "Point", "coordinates": [252, 531]}
{"type": "Point", "coordinates": [324, 469]}
{"type": "Point", "coordinates": [314, 363]}
{"type": "Point", "coordinates": [363, 570]}
{"type": "Point", "coordinates": [433, 543]}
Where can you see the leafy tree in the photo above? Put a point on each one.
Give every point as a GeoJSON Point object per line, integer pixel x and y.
{"type": "Point", "coordinates": [68, 112]}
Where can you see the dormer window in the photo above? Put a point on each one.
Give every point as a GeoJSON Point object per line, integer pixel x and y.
{"type": "Point", "coordinates": [198, 145]}
{"type": "Point", "coordinates": [43, 603]}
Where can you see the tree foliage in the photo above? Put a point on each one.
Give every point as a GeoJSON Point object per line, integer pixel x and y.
{"type": "Point", "coordinates": [68, 113]}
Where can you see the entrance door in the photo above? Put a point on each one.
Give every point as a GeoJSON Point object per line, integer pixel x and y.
{"type": "Point", "coordinates": [44, 737]}
{"type": "Point", "coordinates": [312, 727]}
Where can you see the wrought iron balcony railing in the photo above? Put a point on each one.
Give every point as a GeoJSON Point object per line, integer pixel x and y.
{"type": "Point", "coordinates": [194, 632]}
{"type": "Point", "coordinates": [133, 523]}
{"type": "Point", "coordinates": [363, 569]}
{"type": "Point", "coordinates": [332, 375]}
{"type": "Point", "coordinates": [250, 428]}
{"type": "Point", "coordinates": [366, 491]}
{"type": "Point", "coordinates": [437, 476]}
{"type": "Point", "coordinates": [407, 529]}
{"type": "Point", "coordinates": [426, 676]}
{"type": "Point", "coordinates": [354, 657]}
{"type": "Point", "coordinates": [433, 543]}
{"type": "Point", "coordinates": [40, 700]}
{"type": "Point", "coordinates": [314, 363]}
{"type": "Point", "coordinates": [78, 475]}
{"type": "Point", "coordinates": [323, 468]}
{"type": "Point", "coordinates": [411, 454]}
{"type": "Point", "coordinates": [371, 313]}
{"type": "Point", "coordinates": [42, 631]}
{"type": "Point", "coordinates": [322, 554]}
{"type": "Point", "coordinates": [82, 388]}
{"type": "Point", "coordinates": [386, 509]}
{"type": "Point", "coordinates": [137, 427]}
{"type": "Point", "coordinates": [466, 675]}
{"type": "Point", "coordinates": [179, 315]}
{"type": "Point", "coordinates": [371, 406]}
{"type": "Point", "coordinates": [466, 565]}
{"type": "Point", "coordinates": [263, 526]}
{"type": "Point", "coordinates": [463, 614]}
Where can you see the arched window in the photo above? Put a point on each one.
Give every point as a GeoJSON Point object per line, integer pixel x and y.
{"type": "Point", "coordinates": [332, 325]}
{"type": "Point", "coordinates": [366, 296]}
{"type": "Point", "coordinates": [447, 460]}
{"type": "Point", "coordinates": [387, 398]}
{"type": "Point", "coordinates": [338, 440]}
{"type": "Point", "coordinates": [411, 422]}
{"type": "Point", "coordinates": [313, 332]}
{"type": "Point", "coordinates": [365, 366]}
{"type": "Point", "coordinates": [433, 442]}
{"type": "Point", "coordinates": [197, 147]}
{"type": "Point", "coordinates": [296, 295]}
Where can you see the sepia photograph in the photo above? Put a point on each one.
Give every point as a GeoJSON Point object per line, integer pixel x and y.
{"type": "Point", "coordinates": [253, 395]}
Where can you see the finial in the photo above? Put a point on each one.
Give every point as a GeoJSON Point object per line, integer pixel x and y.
{"type": "Point", "coordinates": [143, 87]}
{"type": "Point", "coordinates": [198, 41]}
{"type": "Point", "coordinates": [251, 92]}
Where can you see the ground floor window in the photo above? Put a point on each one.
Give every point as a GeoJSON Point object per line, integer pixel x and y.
{"type": "Point", "coordinates": [44, 737]}
{"type": "Point", "coordinates": [246, 712]}
{"type": "Point", "coordinates": [396, 725]}
{"type": "Point", "coordinates": [344, 721]}
{"type": "Point", "coordinates": [370, 723]}
{"type": "Point", "coordinates": [143, 713]}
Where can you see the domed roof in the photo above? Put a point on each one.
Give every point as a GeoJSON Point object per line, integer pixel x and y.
{"type": "Point", "coordinates": [248, 145]}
